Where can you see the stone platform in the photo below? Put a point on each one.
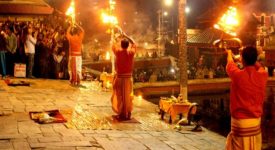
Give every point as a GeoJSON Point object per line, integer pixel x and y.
{"type": "Point", "coordinates": [90, 125]}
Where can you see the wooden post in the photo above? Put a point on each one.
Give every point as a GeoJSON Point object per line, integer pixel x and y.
{"type": "Point", "coordinates": [182, 49]}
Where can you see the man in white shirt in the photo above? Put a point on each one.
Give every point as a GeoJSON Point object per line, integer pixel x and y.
{"type": "Point", "coordinates": [30, 50]}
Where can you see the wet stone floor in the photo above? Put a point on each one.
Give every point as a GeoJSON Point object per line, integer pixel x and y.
{"type": "Point", "coordinates": [89, 121]}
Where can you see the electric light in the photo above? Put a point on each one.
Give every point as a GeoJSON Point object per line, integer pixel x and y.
{"type": "Point", "coordinates": [187, 10]}
{"type": "Point", "coordinates": [168, 2]}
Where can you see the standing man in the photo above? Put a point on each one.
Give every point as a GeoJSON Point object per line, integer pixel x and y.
{"type": "Point", "coordinates": [30, 50]}
{"type": "Point", "coordinates": [122, 97]}
{"type": "Point", "coordinates": [11, 47]}
{"type": "Point", "coordinates": [247, 94]}
{"type": "Point", "coordinates": [75, 36]}
{"type": "Point", "coordinates": [3, 50]}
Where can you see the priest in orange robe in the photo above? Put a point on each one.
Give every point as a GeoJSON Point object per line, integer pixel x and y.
{"type": "Point", "coordinates": [122, 97]}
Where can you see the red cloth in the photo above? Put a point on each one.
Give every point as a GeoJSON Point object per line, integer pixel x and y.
{"type": "Point", "coordinates": [247, 91]}
{"type": "Point", "coordinates": [124, 61]}
{"type": "Point", "coordinates": [75, 42]}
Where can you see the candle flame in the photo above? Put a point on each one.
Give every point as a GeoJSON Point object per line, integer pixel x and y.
{"type": "Point", "coordinates": [229, 22]}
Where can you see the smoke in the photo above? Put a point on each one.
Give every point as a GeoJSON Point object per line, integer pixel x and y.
{"type": "Point", "coordinates": [269, 5]}
{"type": "Point", "coordinates": [134, 16]}
{"type": "Point", "coordinates": [247, 30]}
{"type": "Point", "coordinates": [135, 21]}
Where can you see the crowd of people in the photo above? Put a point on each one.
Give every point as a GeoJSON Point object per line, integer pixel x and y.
{"type": "Point", "coordinates": [42, 45]}
{"type": "Point", "coordinates": [203, 72]}
{"type": "Point", "coordinates": [154, 75]}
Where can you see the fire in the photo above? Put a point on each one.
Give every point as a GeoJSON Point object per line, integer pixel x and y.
{"type": "Point", "coordinates": [108, 56]}
{"type": "Point", "coordinates": [112, 4]}
{"type": "Point", "coordinates": [71, 10]}
{"type": "Point", "coordinates": [108, 84]}
{"type": "Point", "coordinates": [109, 19]}
{"type": "Point", "coordinates": [229, 21]}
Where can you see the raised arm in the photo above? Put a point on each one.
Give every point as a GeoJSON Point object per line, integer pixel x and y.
{"type": "Point", "coordinates": [68, 31]}
{"type": "Point", "coordinates": [231, 67]}
{"type": "Point", "coordinates": [229, 56]}
{"type": "Point", "coordinates": [81, 29]}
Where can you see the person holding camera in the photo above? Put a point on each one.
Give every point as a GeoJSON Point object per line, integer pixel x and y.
{"type": "Point", "coordinates": [122, 97]}
{"type": "Point", "coordinates": [247, 95]}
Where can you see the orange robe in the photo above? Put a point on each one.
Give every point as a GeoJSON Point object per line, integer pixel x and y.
{"type": "Point", "coordinates": [122, 97]}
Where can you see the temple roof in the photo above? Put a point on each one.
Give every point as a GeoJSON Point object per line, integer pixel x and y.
{"type": "Point", "coordinates": [33, 7]}
{"type": "Point", "coordinates": [207, 37]}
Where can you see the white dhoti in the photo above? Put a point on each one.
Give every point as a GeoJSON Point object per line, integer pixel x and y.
{"type": "Point", "coordinates": [75, 69]}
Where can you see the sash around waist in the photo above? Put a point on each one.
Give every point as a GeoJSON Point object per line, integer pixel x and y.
{"type": "Point", "coordinates": [124, 75]}
{"type": "Point", "coordinates": [243, 128]}
{"type": "Point", "coordinates": [75, 53]}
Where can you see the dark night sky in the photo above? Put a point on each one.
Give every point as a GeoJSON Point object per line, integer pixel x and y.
{"type": "Point", "coordinates": [127, 10]}
{"type": "Point", "coordinates": [150, 7]}
{"type": "Point", "coordinates": [89, 9]}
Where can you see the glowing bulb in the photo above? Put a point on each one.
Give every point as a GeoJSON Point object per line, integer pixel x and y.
{"type": "Point", "coordinates": [172, 70]}
{"type": "Point", "coordinates": [168, 2]}
{"type": "Point", "coordinates": [187, 10]}
{"type": "Point", "coordinates": [145, 44]}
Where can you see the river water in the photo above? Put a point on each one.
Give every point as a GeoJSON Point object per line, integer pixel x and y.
{"type": "Point", "coordinates": [214, 114]}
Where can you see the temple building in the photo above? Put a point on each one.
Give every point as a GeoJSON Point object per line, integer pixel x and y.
{"type": "Point", "coordinates": [24, 10]}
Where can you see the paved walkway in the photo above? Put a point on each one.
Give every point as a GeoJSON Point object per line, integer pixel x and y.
{"type": "Point", "coordinates": [90, 125]}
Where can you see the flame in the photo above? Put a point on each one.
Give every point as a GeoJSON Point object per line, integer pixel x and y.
{"type": "Point", "coordinates": [108, 84]}
{"type": "Point", "coordinates": [229, 21]}
{"type": "Point", "coordinates": [108, 56]}
{"type": "Point", "coordinates": [71, 10]}
{"type": "Point", "coordinates": [112, 4]}
{"type": "Point", "coordinates": [109, 19]}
